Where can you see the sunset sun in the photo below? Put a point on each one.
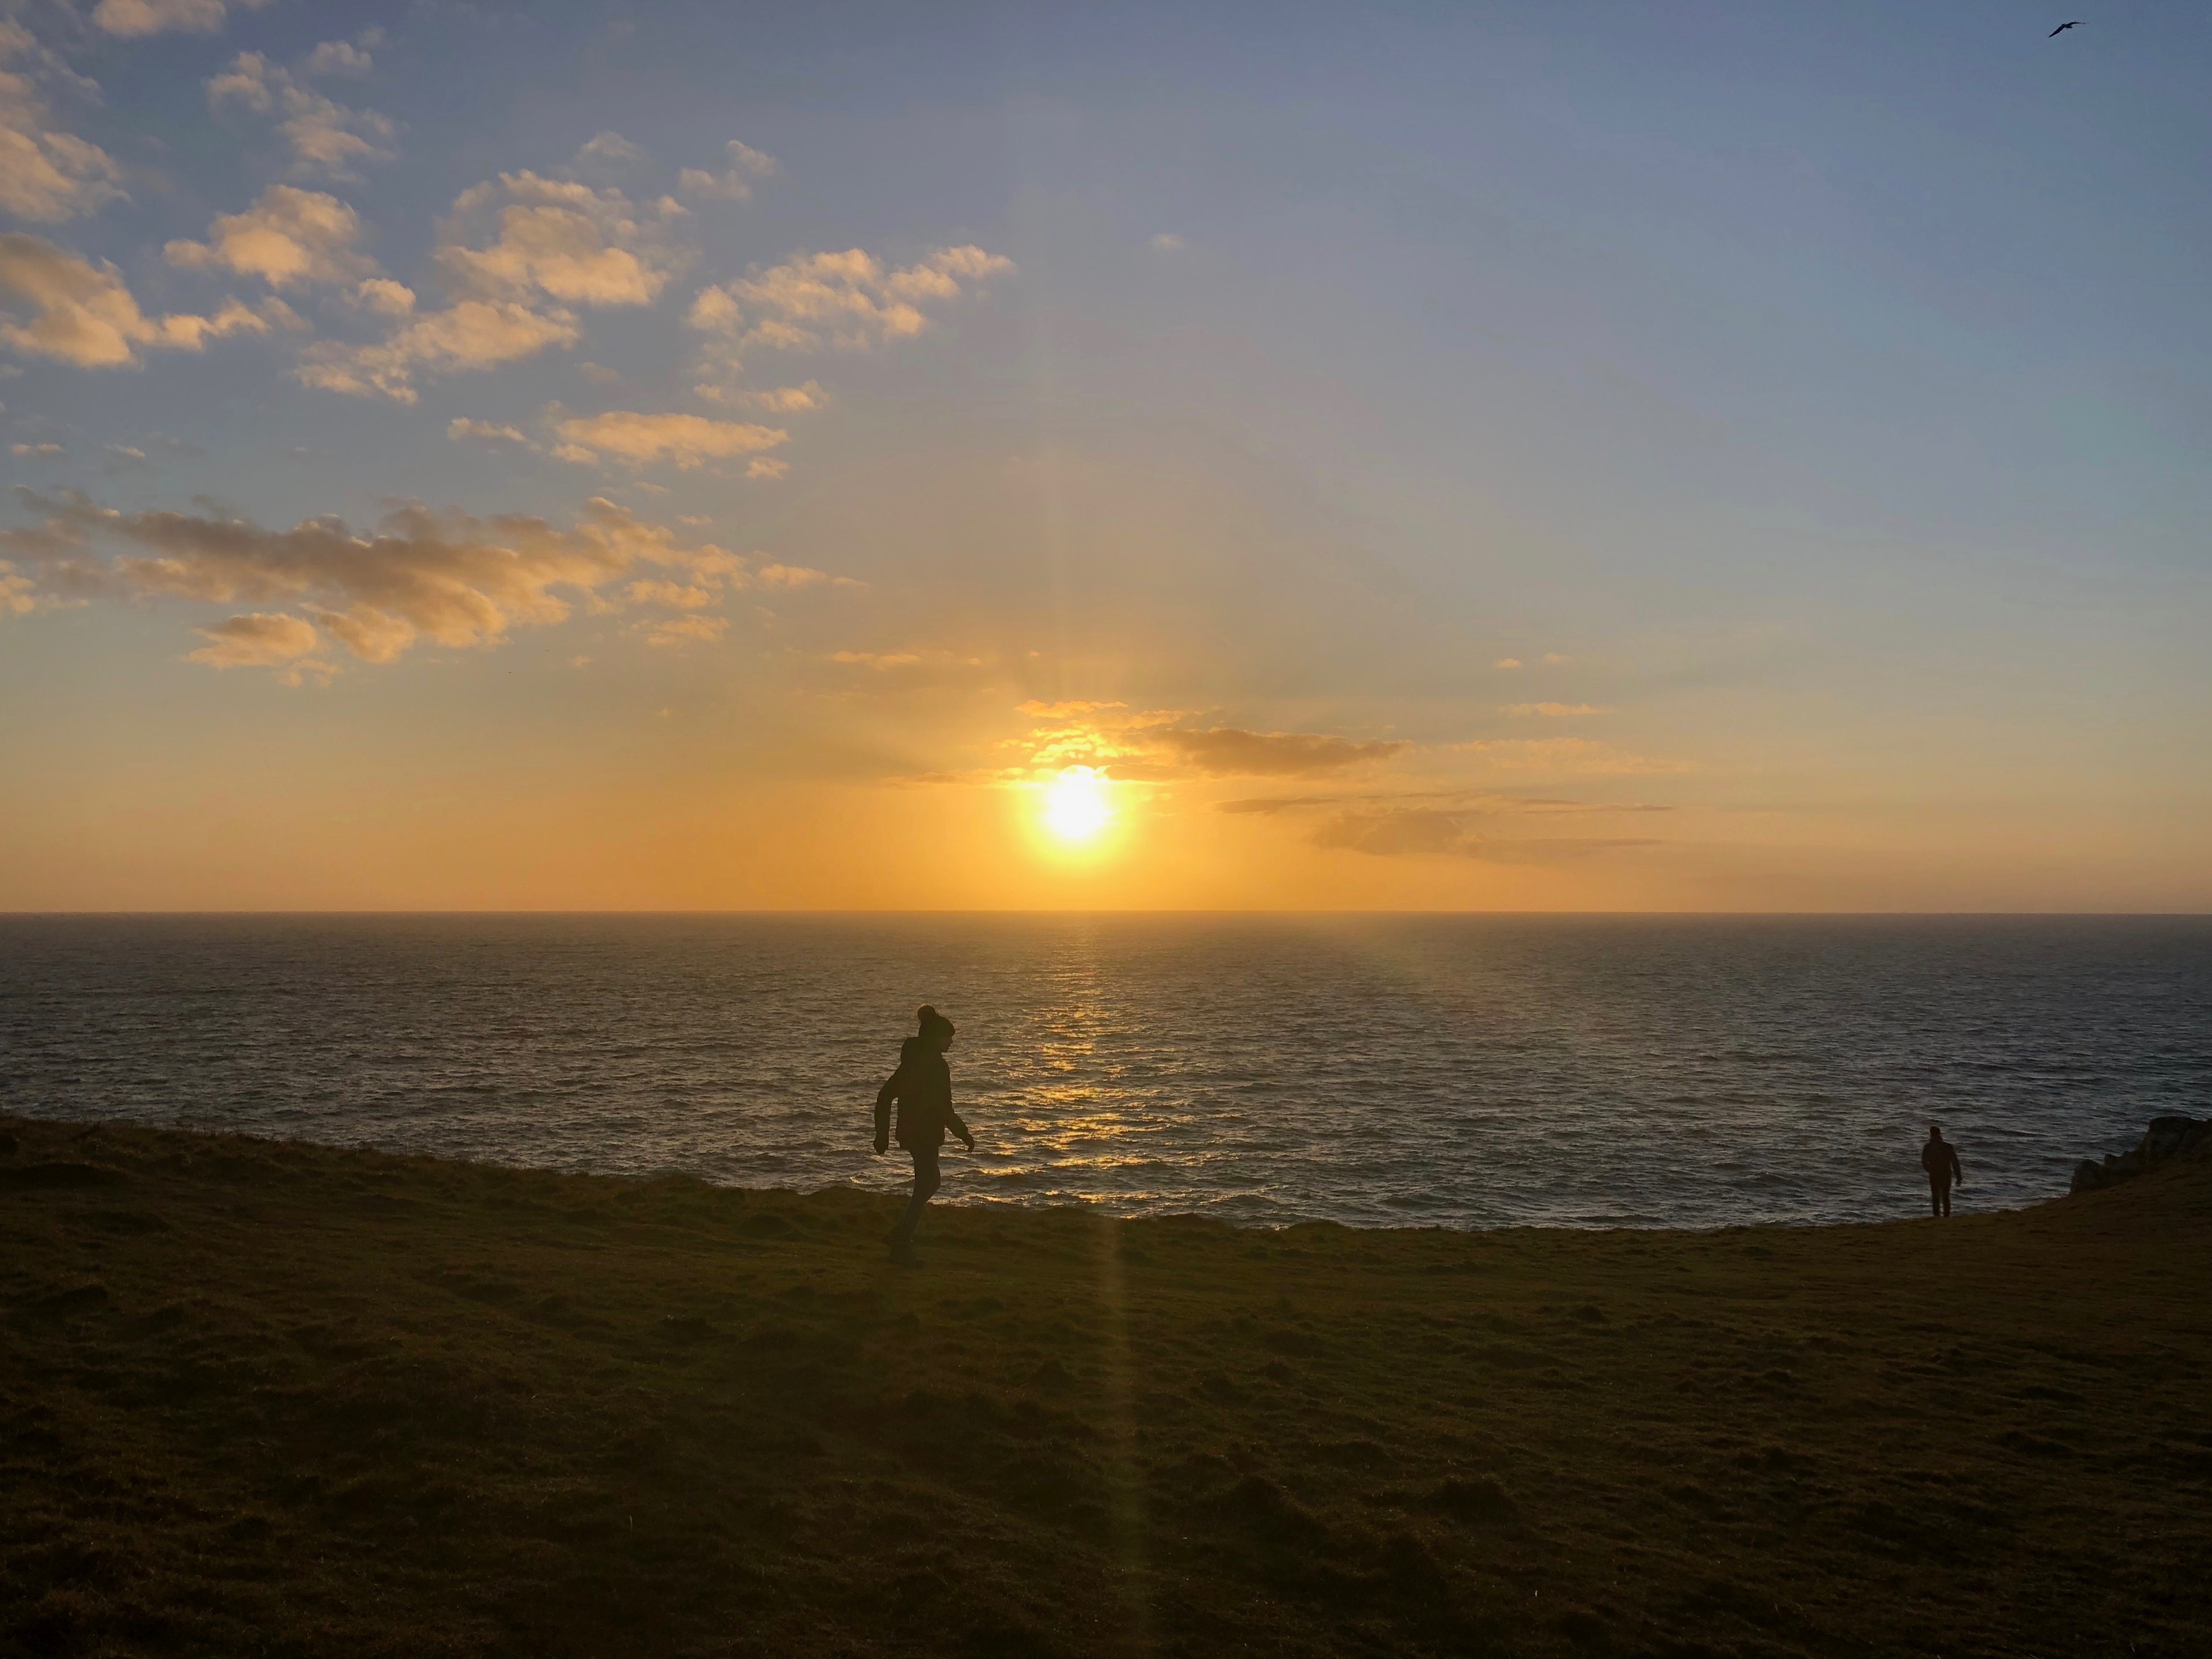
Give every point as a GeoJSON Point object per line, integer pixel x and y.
{"type": "Point", "coordinates": [1076, 806]}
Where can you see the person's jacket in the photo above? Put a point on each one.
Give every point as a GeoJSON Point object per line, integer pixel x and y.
{"type": "Point", "coordinates": [1941, 1159]}
{"type": "Point", "coordinates": [922, 1089]}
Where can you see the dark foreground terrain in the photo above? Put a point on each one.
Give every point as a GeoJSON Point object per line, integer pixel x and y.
{"type": "Point", "coordinates": [259, 1398]}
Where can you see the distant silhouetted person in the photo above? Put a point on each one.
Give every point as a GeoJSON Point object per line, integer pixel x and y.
{"type": "Point", "coordinates": [922, 1089]}
{"type": "Point", "coordinates": [1941, 1159]}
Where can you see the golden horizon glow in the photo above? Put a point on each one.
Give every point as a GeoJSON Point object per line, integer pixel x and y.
{"type": "Point", "coordinates": [415, 506]}
{"type": "Point", "coordinates": [1077, 807]}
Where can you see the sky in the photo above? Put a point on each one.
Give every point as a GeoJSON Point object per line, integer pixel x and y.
{"type": "Point", "coordinates": [1601, 457]}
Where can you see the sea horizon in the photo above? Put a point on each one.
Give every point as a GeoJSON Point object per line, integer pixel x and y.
{"type": "Point", "coordinates": [1406, 1068]}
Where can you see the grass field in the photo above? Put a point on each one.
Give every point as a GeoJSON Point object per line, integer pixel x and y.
{"type": "Point", "coordinates": [262, 1398]}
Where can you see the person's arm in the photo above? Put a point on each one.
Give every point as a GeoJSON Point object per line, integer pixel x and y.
{"type": "Point", "coordinates": [952, 1115]}
{"type": "Point", "coordinates": [885, 1096]}
{"type": "Point", "coordinates": [1958, 1171]}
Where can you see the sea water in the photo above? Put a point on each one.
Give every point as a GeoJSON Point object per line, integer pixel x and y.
{"type": "Point", "coordinates": [1465, 1072]}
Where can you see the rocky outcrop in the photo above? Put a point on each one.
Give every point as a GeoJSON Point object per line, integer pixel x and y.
{"type": "Point", "coordinates": [2167, 1137]}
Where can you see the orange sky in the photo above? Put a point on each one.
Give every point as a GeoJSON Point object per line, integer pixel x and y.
{"type": "Point", "coordinates": [459, 465]}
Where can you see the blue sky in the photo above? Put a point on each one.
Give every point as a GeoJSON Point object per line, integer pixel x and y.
{"type": "Point", "coordinates": [1809, 401]}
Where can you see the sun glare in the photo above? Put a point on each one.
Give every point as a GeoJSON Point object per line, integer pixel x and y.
{"type": "Point", "coordinates": [1076, 807]}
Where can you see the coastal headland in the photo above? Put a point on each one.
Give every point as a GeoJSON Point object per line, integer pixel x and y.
{"type": "Point", "coordinates": [276, 1399]}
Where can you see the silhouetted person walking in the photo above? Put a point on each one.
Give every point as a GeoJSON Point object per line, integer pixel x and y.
{"type": "Point", "coordinates": [922, 1089]}
{"type": "Point", "coordinates": [1941, 1159]}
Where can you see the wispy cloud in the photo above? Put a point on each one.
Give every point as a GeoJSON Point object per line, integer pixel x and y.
{"type": "Point", "coordinates": [327, 139]}
{"type": "Point", "coordinates": [805, 399]}
{"type": "Point", "coordinates": [524, 237]}
{"type": "Point", "coordinates": [450, 577]}
{"type": "Point", "coordinates": [46, 174]}
{"type": "Point", "coordinates": [462, 429]}
{"type": "Point", "coordinates": [747, 167]}
{"type": "Point", "coordinates": [1063, 711]}
{"type": "Point", "coordinates": [1554, 710]}
{"type": "Point", "coordinates": [255, 641]}
{"type": "Point", "coordinates": [348, 58]}
{"type": "Point", "coordinates": [671, 631]}
{"type": "Point", "coordinates": [65, 308]}
{"type": "Point", "coordinates": [1424, 832]}
{"type": "Point", "coordinates": [850, 301]}
{"type": "Point", "coordinates": [288, 236]}
{"type": "Point", "coordinates": [473, 334]}
{"type": "Point", "coordinates": [132, 19]}
{"type": "Point", "coordinates": [685, 442]}
{"type": "Point", "coordinates": [518, 254]}
{"type": "Point", "coordinates": [608, 153]}
{"type": "Point", "coordinates": [1163, 743]}
{"type": "Point", "coordinates": [1461, 801]}
{"type": "Point", "coordinates": [1228, 751]}
{"type": "Point", "coordinates": [1563, 755]}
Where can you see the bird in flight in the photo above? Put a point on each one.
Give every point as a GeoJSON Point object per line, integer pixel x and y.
{"type": "Point", "coordinates": [2062, 29]}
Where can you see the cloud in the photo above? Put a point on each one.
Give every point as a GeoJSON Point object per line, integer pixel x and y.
{"type": "Point", "coordinates": [255, 641]}
{"type": "Point", "coordinates": [1508, 662]}
{"type": "Point", "coordinates": [1566, 754]}
{"type": "Point", "coordinates": [450, 577]}
{"type": "Point", "coordinates": [1555, 710]}
{"type": "Point", "coordinates": [1425, 832]}
{"type": "Point", "coordinates": [1461, 802]}
{"type": "Point", "coordinates": [849, 299]}
{"type": "Point", "coordinates": [524, 237]}
{"type": "Point", "coordinates": [1167, 242]}
{"type": "Point", "coordinates": [326, 138]}
{"type": "Point", "coordinates": [384, 297]}
{"type": "Point", "coordinates": [1062, 711]}
{"type": "Point", "coordinates": [1225, 749]}
{"type": "Point", "coordinates": [787, 578]}
{"type": "Point", "coordinates": [18, 594]}
{"type": "Point", "coordinates": [734, 185]}
{"type": "Point", "coordinates": [46, 175]}
{"type": "Point", "coordinates": [683, 630]}
{"type": "Point", "coordinates": [83, 314]}
{"type": "Point", "coordinates": [517, 253]}
{"type": "Point", "coordinates": [881, 661]}
{"type": "Point", "coordinates": [608, 149]}
{"type": "Point", "coordinates": [780, 400]}
{"type": "Point", "coordinates": [460, 429]}
{"type": "Point", "coordinates": [343, 56]}
{"type": "Point", "coordinates": [1161, 744]}
{"type": "Point", "coordinates": [475, 334]}
{"type": "Point", "coordinates": [686, 441]}
{"type": "Point", "coordinates": [675, 595]}
{"type": "Point", "coordinates": [288, 235]}
{"type": "Point", "coordinates": [132, 19]}
{"type": "Point", "coordinates": [767, 467]}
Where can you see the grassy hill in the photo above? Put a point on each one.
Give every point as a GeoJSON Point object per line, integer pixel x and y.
{"type": "Point", "coordinates": [262, 1398]}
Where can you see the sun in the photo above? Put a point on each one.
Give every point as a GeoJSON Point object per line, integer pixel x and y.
{"type": "Point", "coordinates": [1076, 807]}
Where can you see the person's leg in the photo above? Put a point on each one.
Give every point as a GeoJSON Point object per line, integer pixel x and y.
{"type": "Point", "coordinates": [925, 1183]}
{"type": "Point", "coordinates": [1935, 1198]}
{"type": "Point", "coordinates": [1944, 1196]}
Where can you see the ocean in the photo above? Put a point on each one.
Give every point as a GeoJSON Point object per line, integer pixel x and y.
{"type": "Point", "coordinates": [1379, 1071]}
